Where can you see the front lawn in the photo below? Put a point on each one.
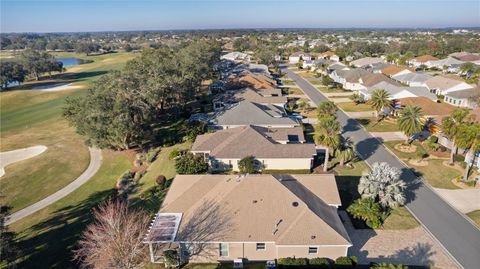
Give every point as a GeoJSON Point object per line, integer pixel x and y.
{"type": "Point", "coordinates": [295, 91]}
{"type": "Point", "coordinates": [315, 82]}
{"type": "Point", "coordinates": [326, 89]}
{"type": "Point", "coordinates": [352, 107]}
{"type": "Point", "coordinates": [475, 216]}
{"type": "Point", "coordinates": [308, 75]}
{"type": "Point", "coordinates": [287, 82]}
{"type": "Point", "coordinates": [373, 125]}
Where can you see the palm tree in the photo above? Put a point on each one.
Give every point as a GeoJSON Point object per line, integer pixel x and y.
{"type": "Point", "coordinates": [380, 100]}
{"type": "Point", "coordinates": [327, 133]}
{"type": "Point", "coordinates": [346, 151]}
{"type": "Point", "coordinates": [411, 120]}
{"type": "Point", "coordinates": [451, 126]}
{"type": "Point", "coordinates": [469, 138]}
{"type": "Point", "coordinates": [326, 109]}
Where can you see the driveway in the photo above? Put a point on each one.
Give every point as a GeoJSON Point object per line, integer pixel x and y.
{"type": "Point", "coordinates": [389, 136]}
{"type": "Point", "coordinates": [465, 201]}
{"type": "Point", "coordinates": [361, 114]}
{"type": "Point", "coordinates": [450, 227]}
{"type": "Point", "coordinates": [95, 162]}
{"type": "Point", "coordinates": [9, 157]}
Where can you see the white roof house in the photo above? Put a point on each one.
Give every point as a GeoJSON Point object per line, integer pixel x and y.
{"type": "Point", "coordinates": [297, 56]}
{"type": "Point", "coordinates": [397, 92]}
{"type": "Point", "coordinates": [363, 62]}
{"type": "Point", "coordinates": [412, 79]}
{"type": "Point", "coordinates": [443, 62]}
{"type": "Point", "coordinates": [236, 57]}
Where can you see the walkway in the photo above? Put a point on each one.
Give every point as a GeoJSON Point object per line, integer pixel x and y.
{"type": "Point", "coordinates": [450, 227]}
{"type": "Point", "coordinates": [361, 114]}
{"type": "Point", "coordinates": [9, 157]}
{"type": "Point", "coordinates": [340, 100]}
{"type": "Point", "coordinates": [466, 200]}
{"type": "Point", "coordinates": [389, 136]}
{"type": "Point", "coordinates": [95, 162]}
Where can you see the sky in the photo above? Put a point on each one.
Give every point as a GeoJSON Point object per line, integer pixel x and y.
{"type": "Point", "coordinates": [124, 15]}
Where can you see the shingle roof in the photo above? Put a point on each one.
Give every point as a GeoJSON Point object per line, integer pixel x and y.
{"type": "Point", "coordinates": [424, 58]}
{"type": "Point", "coordinates": [394, 69]}
{"type": "Point", "coordinates": [256, 208]}
{"type": "Point", "coordinates": [407, 91]}
{"type": "Point", "coordinates": [365, 61]}
{"type": "Point", "coordinates": [412, 77]}
{"type": "Point", "coordinates": [429, 108]}
{"type": "Point", "coordinates": [443, 83]}
{"type": "Point", "coordinates": [231, 143]}
{"type": "Point", "coordinates": [371, 79]}
{"type": "Point", "coordinates": [249, 94]}
{"type": "Point", "coordinates": [352, 75]}
{"type": "Point", "coordinates": [250, 113]}
{"type": "Point", "coordinates": [465, 94]}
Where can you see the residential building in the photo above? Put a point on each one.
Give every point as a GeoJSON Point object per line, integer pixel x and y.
{"type": "Point", "coordinates": [464, 98]}
{"type": "Point", "coordinates": [441, 64]}
{"type": "Point", "coordinates": [249, 113]}
{"type": "Point", "coordinates": [366, 61]}
{"type": "Point", "coordinates": [349, 78]}
{"type": "Point", "coordinates": [421, 60]}
{"type": "Point", "coordinates": [236, 57]}
{"type": "Point", "coordinates": [265, 85]}
{"type": "Point", "coordinates": [467, 57]}
{"type": "Point", "coordinates": [398, 92]}
{"type": "Point", "coordinates": [272, 148]}
{"type": "Point", "coordinates": [442, 85]}
{"type": "Point", "coordinates": [394, 70]}
{"type": "Point", "coordinates": [297, 56]}
{"type": "Point", "coordinates": [336, 66]}
{"type": "Point", "coordinates": [225, 100]}
{"type": "Point", "coordinates": [412, 79]}
{"type": "Point", "coordinates": [220, 218]}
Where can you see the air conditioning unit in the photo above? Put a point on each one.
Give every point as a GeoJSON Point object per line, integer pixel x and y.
{"type": "Point", "coordinates": [238, 263]}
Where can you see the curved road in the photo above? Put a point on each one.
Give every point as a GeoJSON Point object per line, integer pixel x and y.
{"type": "Point", "coordinates": [95, 162]}
{"type": "Point", "coordinates": [451, 229]}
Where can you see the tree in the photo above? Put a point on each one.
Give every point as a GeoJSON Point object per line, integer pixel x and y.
{"type": "Point", "coordinates": [11, 72]}
{"type": "Point", "coordinates": [357, 98]}
{"type": "Point", "coordinates": [383, 183]}
{"type": "Point", "coordinates": [36, 63]}
{"type": "Point", "coordinates": [380, 100]}
{"type": "Point", "coordinates": [469, 139]}
{"type": "Point", "coordinates": [115, 238]}
{"type": "Point", "coordinates": [128, 48]}
{"type": "Point", "coordinates": [86, 48]}
{"type": "Point", "coordinates": [327, 133]}
{"type": "Point", "coordinates": [266, 56]}
{"type": "Point", "coordinates": [247, 165]}
{"type": "Point", "coordinates": [411, 121]}
{"type": "Point", "coordinates": [367, 210]}
{"type": "Point", "coordinates": [451, 127]}
{"type": "Point", "coordinates": [327, 81]}
{"type": "Point", "coordinates": [195, 129]}
{"type": "Point", "coordinates": [190, 164]}
{"type": "Point", "coordinates": [9, 250]}
{"type": "Point", "coordinates": [346, 151]}
{"type": "Point", "coordinates": [326, 109]}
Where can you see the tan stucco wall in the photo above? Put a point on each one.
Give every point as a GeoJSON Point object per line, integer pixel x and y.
{"type": "Point", "coordinates": [331, 252]}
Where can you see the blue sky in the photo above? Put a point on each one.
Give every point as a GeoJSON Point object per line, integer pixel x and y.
{"type": "Point", "coordinates": [98, 15]}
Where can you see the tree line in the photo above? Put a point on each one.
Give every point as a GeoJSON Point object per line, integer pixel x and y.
{"type": "Point", "coordinates": [124, 108]}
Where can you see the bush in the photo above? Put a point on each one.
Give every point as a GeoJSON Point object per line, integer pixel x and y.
{"type": "Point", "coordinates": [292, 261]}
{"type": "Point", "coordinates": [195, 129]}
{"type": "Point", "coordinates": [433, 139]}
{"type": "Point", "coordinates": [458, 158]}
{"type": "Point", "coordinates": [344, 262]}
{"type": "Point", "coordinates": [161, 180]}
{"type": "Point", "coordinates": [125, 185]}
{"type": "Point", "coordinates": [171, 258]}
{"type": "Point", "coordinates": [442, 149]}
{"type": "Point", "coordinates": [190, 164]}
{"type": "Point", "coordinates": [321, 262]}
{"type": "Point", "coordinates": [174, 154]}
{"type": "Point", "coordinates": [367, 210]}
{"type": "Point", "coordinates": [421, 154]}
{"type": "Point", "coordinates": [152, 155]}
{"type": "Point", "coordinates": [247, 165]}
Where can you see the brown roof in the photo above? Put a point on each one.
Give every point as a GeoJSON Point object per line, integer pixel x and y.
{"type": "Point", "coordinates": [257, 208]}
{"type": "Point", "coordinates": [371, 79]}
{"type": "Point", "coordinates": [232, 143]}
{"type": "Point", "coordinates": [249, 94]}
{"type": "Point", "coordinates": [429, 108]}
{"type": "Point", "coordinates": [256, 81]}
{"type": "Point", "coordinates": [395, 69]}
{"type": "Point", "coordinates": [327, 54]}
{"type": "Point", "coordinates": [425, 58]}
{"type": "Point", "coordinates": [468, 57]}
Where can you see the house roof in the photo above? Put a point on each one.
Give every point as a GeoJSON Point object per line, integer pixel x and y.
{"type": "Point", "coordinates": [366, 61]}
{"type": "Point", "coordinates": [424, 58]}
{"type": "Point", "coordinates": [300, 54]}
{"type": "Point", "coordinates": [256, 208]}
{"type": "Point", "coordinates": [371, 79]}
{"type": "Point", "coordinates": [429, 108]}
{"type": "Point", "coordinates": [447, 62]}
{"type": "Point", "coordinates": [352, 75]}
{"type": "Point", "coordinates": [337, 66]}
{"type": "Point", "coordinates": [327, 54]}
{"type": "Point", "coordinates": [249, 94]}
{"type": "Point", "coordinates": [466, 56]}
{"type": "Point", "coordinates": [465, 94]}
{"type": "Point", "coordinates": [257, 81]}
{"type": "Point", "coordinates": [397, 91]}
{"type": "Point", "coordinates": [250, 113]}
{"type": "Point", "coordinates": [412, 77]}
{"type": "Point", "coordinates": [394, 69]}
{"type": "Point", "coordinates": [443, 83]}
{"type": "Point", "coordinates": [230, 143]}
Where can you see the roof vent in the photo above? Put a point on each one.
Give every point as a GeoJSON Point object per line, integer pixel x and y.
{"type": "Point", "coordinates": [254, 201]}
{"type": "Point", "coordinates": [313, 237]}
{"type": "Point", "coordinates": [295, 204]}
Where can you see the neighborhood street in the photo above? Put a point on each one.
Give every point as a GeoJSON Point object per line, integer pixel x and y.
{"type": "Point", "coordinates": [457, 235]}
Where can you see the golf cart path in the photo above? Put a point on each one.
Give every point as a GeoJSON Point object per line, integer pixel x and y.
{"type": "Point", "coordinates": [95, 162]}
{"type": "Point", "coordinates": [9, 157]}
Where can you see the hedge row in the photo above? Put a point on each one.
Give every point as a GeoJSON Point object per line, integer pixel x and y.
{"type": "Point", "coordinates": [340, 262]}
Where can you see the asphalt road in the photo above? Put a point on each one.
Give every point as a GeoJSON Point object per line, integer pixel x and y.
{"type": "Point", "coordinates": [457, 235]}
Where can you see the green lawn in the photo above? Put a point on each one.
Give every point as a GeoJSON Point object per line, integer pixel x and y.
{"type": "Point", "coordinates": [48, 236]}
{"type": "Point", "coordinates": [316, 82]}
{"type": "Point", "coordinates": [338, 96]}
{"type": "Point", "coordinates": [400, 219]}
{"type": "Point", "coordinates": [475, 216]}
{"type": "Point", "coordinates": [287, 82]}
{"type": "Point", "coordinates": [295, 91]}
{"type": "Point", "coordinates": [330, 90]}
{"type": "Point", "coordinates": [352, 107]}
{"type": "Point", "coordinates": [373, 125]}
{"type": "Point", "coordinates": [308, 75]}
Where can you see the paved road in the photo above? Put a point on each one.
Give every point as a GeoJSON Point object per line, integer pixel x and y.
{"type": "Point", "coordinates": [95, 162]}
{"type": "Point", "coordinates": [457, 235]}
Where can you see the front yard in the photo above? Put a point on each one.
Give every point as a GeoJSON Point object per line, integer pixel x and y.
{"type": "Point", "coordinates": [352, 107]}
{"type": "Point", "coordinates": [373, 125]}
{"type": "Point", "coordinates": [325, 89]}
{"type": "Point", "coordinates": [475, 216]}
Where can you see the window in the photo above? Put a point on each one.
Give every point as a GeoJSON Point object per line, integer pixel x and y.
{"type": "Point", "coordinates": [223, 247]}
{"type": "Point", "coordinates": [260, 246]}
{"type": "Point", "coordinates": [312, 250]}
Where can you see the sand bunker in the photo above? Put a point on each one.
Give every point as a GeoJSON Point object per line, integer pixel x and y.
{"type": "Point", "coordinates": [57, 87]}
{"type": "Point", "coordinates": [9, 157]}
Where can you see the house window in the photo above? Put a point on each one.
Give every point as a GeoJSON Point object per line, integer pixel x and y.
{"type": "Point", "coordinates": [260, 246]}
{"type": "Point", "coordinates": [312, 250]}
{"type": "Point", "coordinates": [223, 247]}
{"type": "Point", "coordinates": [454, 102]}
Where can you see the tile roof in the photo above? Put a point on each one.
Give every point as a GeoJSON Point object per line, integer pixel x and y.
{"type": "Point", "coordinates": [424, 58]}
{"type": "Point", "coordinates": [257, 208]}
{"type": "Point", "coordinates": [429, 108]}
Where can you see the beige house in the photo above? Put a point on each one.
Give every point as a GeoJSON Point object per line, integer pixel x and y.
{"type": "Point", "coordinates": [219, 218]}
{"type": "Point", "coordinates": [273, 148]}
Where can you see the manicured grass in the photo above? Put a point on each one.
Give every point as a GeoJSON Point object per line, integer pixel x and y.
{"type": "Point", "coordinates": [400, 219]}
{"type": "Point", "coordinates": [295, 91]}
{"type": "Point", "coordinates": [331, 90]}
{"type": "Point", "coordinates": [352, 107]}
{"type": "Point", "coordinates": [316, 82]}
{"type": "Point", "coordinates": [48, 236]}
{"type": "Point", "coordinates": [308, 75]}
{"type": "Point", "coordinates": [475, 216]}
{"type": "Point", "coordinates": [250, 265]}
{"type": "Point", "coordinates": [287, 82]}
{"type": "Point", "coordinates": [373, 125]}
{"type": "Point", "coordinates": [338, 96]}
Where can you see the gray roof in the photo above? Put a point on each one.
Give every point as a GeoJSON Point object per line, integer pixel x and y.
{"type": "Point", "coordinates": [352, 75]}
{"type": "Point", "coordinates": [394, 89]}
{"type": "Point", "coordinates": [249, 113]}
{"type": "Point", "coordinates": [412, 77]}
{"type": "Point", "coordinates": [465, 94]}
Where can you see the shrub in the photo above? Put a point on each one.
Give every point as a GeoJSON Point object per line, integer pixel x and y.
{"type": "Point", "coordinates": [421, 154]}
{"type": "Point", "coordinates": [458, 158]}
{"type": "Point", "coordinates": [161, 180]}
{"type": "Point", "coordinates": [195, 129]}
{"type": "Point", "coordinates": [171, 257]}
{"type": "Point", "coordinates": [125, 185]}
{"type": "Point", "coordinates": [321, 262]}
{"type": "Point", "coordinates": [190, 164]}
{"type": "Point", "coordinates": [152, 154]}
{"type": "Point", "coordinates": [174, 154]}
{"type": "Point", "coordinates": [292, 261]}
{"type": "Point", "coordinates": [344, 262]}
{"type": "Point", "coordinates": [388, 266]}
{"type": "Point", "coordinates": [367, 210]}
{"type": "Point", "coordinates": [247, 165]}
{"type": "Point", "coordinates": [433, 139]}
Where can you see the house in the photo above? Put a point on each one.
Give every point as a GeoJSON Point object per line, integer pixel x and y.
{"type": "Point", "coordinates": [265, 85]}
{"type": "Point", "coordinates": [431, 109]}
{"type": "Point", "coordinates": [236, 57]}
{"type": "Point", "coordinates": [467, 57]}
{"type": "Point", "coordinates": [297, 56]}
{"type": "Point", "coordinates": [394, 70]}
{"type": "Point", "coordinates": [225, 100]}
{"type": "Point", "coordinates": [272, 148]}
{"type": "Point", "coordinates": [371, 79]}
{"type": "Point", "coordinates": [441, 64]}
{"type": "Point", "coordinates": [377, 67]}
{"type": "Point", "coordinates": [421, 60]}
{"type": "Point", "coordinates": [336, 66]}
{"type": "Point", "coordinates": [222, 218]}
{"type": "Point", "coordinates": [463, 98]}
{"type": "Point", "coordinates": [355, 55]}
{"type": "Point", "coordinates": [366, 61]}
{"type": "Point", "coordinates": [329, 55]}
{"type": "Point", "coordinates": [442, 85]}
{"type": "Point", "coordinates": [398, 92]}
{"type": "Point", "coordinates": [349, 78]}
{"type": "Point", "coordinates": [312, 64]}
{"type": "Point", "coordinates": [412, 79]}
{"type": "Point", "coordinates": [250, 113]}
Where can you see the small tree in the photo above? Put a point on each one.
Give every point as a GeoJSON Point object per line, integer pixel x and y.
{"type": "Point", "coordinates": [247, 165]}
{"type": "Point", "coordinates": [195, 129]}
{"type": "Point", "coordinates": [115, 238]}
{"type": "Point", "coordinates": [327, 81]}
{"type": "Point", "coordinates": [383, 183]}
{"type": "Point", "coordinates": [367, 210]}
{"type": "Point", "coordinates": [380, 100]}
{"type": "Point", "coordinates": [326, 109]}
{"type": "Point", "coordinates": [9, 250]}
{"type": "Point", "coordinates": [190, 164]}
{"type": "Point", "coordinates": [161, 180]}
{"type": "Point", "coordinates": [346, 151]}
{"type": "Point", "coordinates": [357, 98]}
{"type": "Point", "coordinates": [327, 133]}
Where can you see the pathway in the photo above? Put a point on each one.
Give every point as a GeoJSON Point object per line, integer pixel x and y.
{"type": "Point", "coordinates": [466, 200]}
{"type": "Point", "coordinates": [456, 234]}
{"type": "Point", "coordinates": [95, 162]}
{"type": "Point", "coordinates": [389, 136]}
{"type": "Point", "coordinates": [9, 157]}
{"type": "Point", "coordinates": [329, 94]}
{"type": "Point", "coordinates": [340, 100]}
{"type": "Point", "coordinates": [361, 114]}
